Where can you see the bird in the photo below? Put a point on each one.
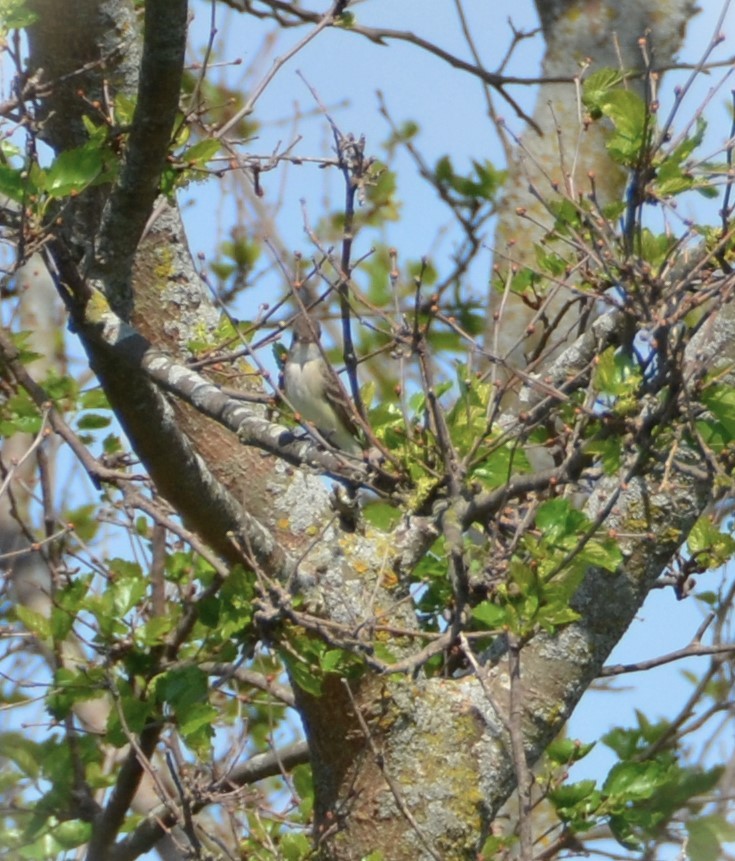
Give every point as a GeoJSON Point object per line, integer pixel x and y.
{"type": "Point", "coordinates": [314, 390]}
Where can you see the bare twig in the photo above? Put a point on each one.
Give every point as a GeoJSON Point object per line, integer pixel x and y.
{"type": "Point", "coordinates": [324, 21]}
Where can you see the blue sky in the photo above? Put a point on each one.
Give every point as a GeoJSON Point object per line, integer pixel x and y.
{"type": "Point", "coordinates": [449, 107]}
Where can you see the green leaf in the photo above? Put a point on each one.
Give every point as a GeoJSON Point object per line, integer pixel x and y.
{"type": "Point", "coordinates": [576, 802]}
{"type": "Point", "coordinates": [61, 624]}
{"type": "Point", "coordinates": [71, 687]}
{"type": "Point", "coordinates": [201, 152]}
{"type": "Point", "coordinates": [60, 388]}
{"type": "Point", "coordinates": [497, 847]}
{"type": "Point", "coordinates": [628, 113]}
{"type": "Point", "coordinates": [635, 780]}
{"type": "Point", "coordinates": [714, 434]}
{"type": "Point", "coordinates": [346, 20]}
{"type": "Point", "coordinates": [126, 589]}
{"type": "Point", "coordinates": [331, 660]}
{"type": "Point", "coordinates": [71, 833]}
{"type": "Point", "coordinates": [153, 632]}
{"type": "Point", "coordinates": [94, 399]}
{"type": "Point", "coordinates": [195, 722]}
{"type": "Point", "coordinates": [388, 424]}
{"type": "Point", "coordinates": [564, 751]}
{"type": "Point", "coordinates": [495, 468]}
{"type": "Point", "coordinates": [480, 185]}
{"type": "Point", "coordinates": [26, 754]}
{"type": "Point", "coordinates": [382, 516]}
{"type": "Point", "coordinates": [597, 86]}
{"type": "Point", "coordinates": [655, 247]}
{"type": "Point", "coordinates": [294, 847]}
{"type": "Point", "coordinates": [383, 653]}
{"type": "Point", "coordinates": [489, 615]}
{"type": "Point", "coordinates": [20, 415]}
{"type": "Point", "coordinates": [93, 421]}
{"type": "Point", "coordinates": [402, 134]}
{"type": "Point", "coordinates": [128, 586]}
{"type": "Point", "coordinates": [302, 781]}
{"type": "Point", "coordinates": [303, 675]}
{"type": "Point", "coordinates": [182, 686]}
{"type": "Point", "coordinates": [84, 521]}
{"type": "Point", "coordinates": [671, 180]}
{"type": "Point", "coordinates": [35, 623]}
{"type": "Point", "coordinates": [708, 544]}
{"type": "Point", "coordinates": [73, 170]}
{"type": "Point", "coordinates": [15, 15]}
{"type": "Point", "coordinates": [608, 450]}
{"type": "Point", "coordinates": [21, 341]}
{"type": "Point", "coordinates": [136, 712]}
{"type": "Point", "coordinates": [549, 261]}
{"type": "Point", "coordinates": [444, 172]}
{"type": "Point", "coordinates": [720, 400]}
{"type": "Point", "coordinates": [112, 444]}
{"type": "Point", "coordinates": [706, 836]}
{"type": "Point", "coordinates": [616, 373]}
{"type": "Point", "coordinates": [626, 742]}
{"type": "Point", "coordinates": [550, 616]}
{"type": "Point", "coordinates": [556, 518]}
{"type": "Point", "coordinates": [15, 184]}
{"type": "Point", "coordinates": [707, 190]}
{"type": "Point", "coordinates": [567, 215]}
{"type": "Point", "coordinates": [230, 612]}
{"type": "Point", "coordinates": [672, 177]}
{"type": "Point", "coordinates": [624, 833]}
{"type": "Point", "coordinates": [603, 554]}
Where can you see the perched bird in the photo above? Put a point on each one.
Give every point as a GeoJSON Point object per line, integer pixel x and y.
{"type": "Point", "coordinates": [315, 391]}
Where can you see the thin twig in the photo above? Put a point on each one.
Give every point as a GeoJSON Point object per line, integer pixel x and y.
{"type": "Point", "coordinates": [325, 21]}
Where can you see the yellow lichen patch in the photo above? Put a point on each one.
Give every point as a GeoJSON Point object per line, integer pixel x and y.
{"type": "Point", "coordinates": [97, 307]}
{"type": "Point", "coordinates": [162, 271]}
{"type": "Point", "coordinates": [389, 579]}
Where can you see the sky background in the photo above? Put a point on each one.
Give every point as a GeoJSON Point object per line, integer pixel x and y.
{"type": "Point", "coordinates": [348, 71]}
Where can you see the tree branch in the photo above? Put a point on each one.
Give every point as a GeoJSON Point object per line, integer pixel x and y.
{"type": "Point", "coordinates": [133, 195]}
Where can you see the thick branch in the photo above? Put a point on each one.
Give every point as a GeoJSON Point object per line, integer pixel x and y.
{"type": "Point", "coordinates": [108, 824]}
{"type": "Point", "coordinates": [121, 341]}
{"type": "Point", "coordinates": [131, 200]}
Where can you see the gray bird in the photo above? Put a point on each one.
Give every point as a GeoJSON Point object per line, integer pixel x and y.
{"type": "Point", "coordinates": [315, 391]}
